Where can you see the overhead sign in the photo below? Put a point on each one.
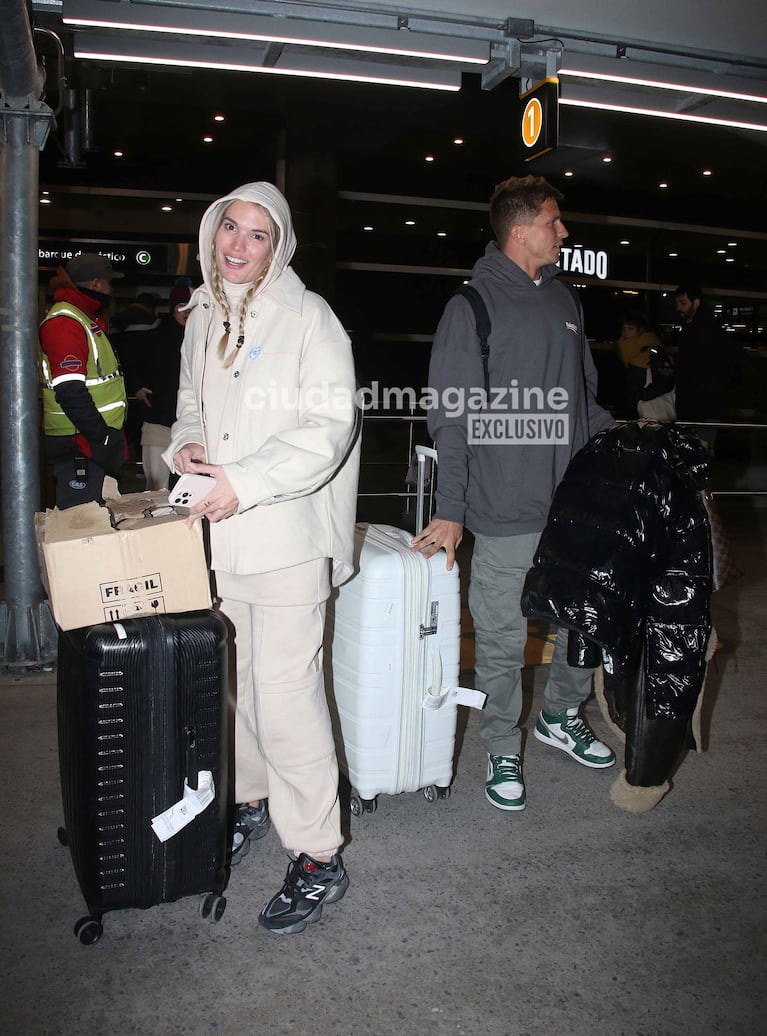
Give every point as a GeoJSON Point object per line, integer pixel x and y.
{"type": "Point", "coordinates": [577, 259]}
{"type": "Point", "coordinates": [129, 257]}
{"type": "Point", "coordinates": [539, 129]}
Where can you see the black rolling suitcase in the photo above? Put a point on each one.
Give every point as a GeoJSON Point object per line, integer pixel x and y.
{"type": "Point", "coordinates": [142, 709]}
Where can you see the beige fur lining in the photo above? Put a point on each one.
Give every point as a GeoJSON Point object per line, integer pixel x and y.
{"type": "Point", "coordinates": [635, 799]}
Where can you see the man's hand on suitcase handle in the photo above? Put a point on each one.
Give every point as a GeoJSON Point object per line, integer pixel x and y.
{"type": "Point", "coordinates": [439, 533]}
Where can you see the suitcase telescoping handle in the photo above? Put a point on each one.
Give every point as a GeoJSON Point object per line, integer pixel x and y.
{"type": "Point", "coordinates": [421, 453]}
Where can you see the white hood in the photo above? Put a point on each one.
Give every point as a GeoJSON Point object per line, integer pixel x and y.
{"type": "Point", "coordinates": [266, 195]}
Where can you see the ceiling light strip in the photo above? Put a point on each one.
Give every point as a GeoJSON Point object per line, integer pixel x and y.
{"type": "Point", "coordinates": [216, 58]}
{"type": "Point", "coordinates": [662, 85]}
{"type": "Point", "coordinates": [707, 120]}
{"type": "Point", "coordinates": [98, 14]}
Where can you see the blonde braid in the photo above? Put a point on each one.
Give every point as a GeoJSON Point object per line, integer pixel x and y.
{"type": "Point", "coordinates": [242, 313]}
{"type": "Point", "coordinates": [241, 332]}
{"type": "Point", "coordinates": [220, 296]}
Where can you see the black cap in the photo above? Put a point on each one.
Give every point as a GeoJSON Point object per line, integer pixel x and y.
{"type": "Point", "coordinates": [88, 266]}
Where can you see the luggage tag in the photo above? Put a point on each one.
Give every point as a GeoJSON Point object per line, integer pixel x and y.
{"type": "Point", "coordinates": [448, 695]}
{"type": "Point", "coordinates": [183, 812]}
{"type": "Point", "coordinates": [455, 696]}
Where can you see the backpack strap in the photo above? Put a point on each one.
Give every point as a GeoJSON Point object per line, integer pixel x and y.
{"type": "Point", "coordinates": [482, 318]}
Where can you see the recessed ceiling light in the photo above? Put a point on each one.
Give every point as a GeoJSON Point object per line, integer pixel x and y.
{"type": "Point", "coordinates": [673, 255]}
{"type": "Point", "coordinates": [429, 158]}
{"type": "Point", "coordinates": [732, 244]}
{"type": "Point", "coordinates": [458, 140]}
{"type": "Point", "coordinates": [569, 172]}
{"type": "Point", "coordinates": [118, 154]}
{"type": "Point", "coordinates": [45, 201]}
{"type": "Point", "coordinates": [207, 140]}
{"type": "Point", "coordinates": [607, 159]}
{"type": "Point", "coordinates": [441, 233]}
{"type": "Point", "coordinates": [663, 184]}
{"type": "Point", "coordinates": [367, 228]}
{"type": "Point", "coordinates": [409, 222]}
{"type": "Point", "coordinates": [179, 199]}
{"type": "Point", "coordinates": [219, 118]}
{"type": "Point", "coordinates": [729, 260]}
{"type": "Point", "coordinates": [167, 208]}
{"type": "Point", "coordinates": [708, 172]}
{"type": "Point", "coordinates": [624, 242]}
{"type": "Point", "coordinates": [721, 251]}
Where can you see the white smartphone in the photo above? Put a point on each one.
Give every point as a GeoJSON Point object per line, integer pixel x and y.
{"type": "Point", "coordinates": [191, 490]}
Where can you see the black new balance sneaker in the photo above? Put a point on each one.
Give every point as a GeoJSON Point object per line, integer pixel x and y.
{"type": "Point", "coordinates": [250, 824]}
{"type": "Point", "coordinates": [308, 885]}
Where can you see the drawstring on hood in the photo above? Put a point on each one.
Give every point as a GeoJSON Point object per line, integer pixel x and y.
{"type": "Point", "coordinates": [269, 198]}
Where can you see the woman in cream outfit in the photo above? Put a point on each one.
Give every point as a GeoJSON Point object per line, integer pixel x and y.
{"type": "Point", "coordinates": [266, 405]}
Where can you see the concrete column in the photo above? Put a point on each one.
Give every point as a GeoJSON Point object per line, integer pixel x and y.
{"type": "Point", "coordinates": [311, 187]}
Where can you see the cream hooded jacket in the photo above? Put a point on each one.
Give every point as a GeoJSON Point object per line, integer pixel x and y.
{"type": "Point", "coordinates": [286, 424]}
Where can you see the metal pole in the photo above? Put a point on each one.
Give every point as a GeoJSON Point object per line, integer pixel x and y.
{"type": "Point", "coordinates": [27, 631]}
{"type": "Point", "coordinates": [28, 636]}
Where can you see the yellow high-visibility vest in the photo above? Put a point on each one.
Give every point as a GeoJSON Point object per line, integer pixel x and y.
{"type": "Point", "coordinates": [103, 377]}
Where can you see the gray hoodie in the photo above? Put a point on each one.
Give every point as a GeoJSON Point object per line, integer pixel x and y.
{"type": "Point", "coordinates": [500, 464]}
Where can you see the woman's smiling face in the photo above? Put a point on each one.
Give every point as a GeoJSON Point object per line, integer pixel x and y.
{"type": "Point", "coordinates": [243, 244]}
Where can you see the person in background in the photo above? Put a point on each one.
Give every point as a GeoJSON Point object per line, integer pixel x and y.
{"type": "Point", "coordinates": [267, 407]}
{"type": "Point", "coordinates": [500, 485]}
{"type": "Point", "coordinates": [127, 330]}
{"type": "Point", "coordinates": [634, 347]}
{"type": "Point", "coordinates": [140, 315]}
{"type": "Point", "coordinates": [156, 365]}
{"type": "Point", "coordinates": [84, 401]}
{"type": "Point", "coordinates": [706, 366]}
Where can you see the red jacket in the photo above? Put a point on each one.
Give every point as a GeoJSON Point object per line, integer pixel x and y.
{"type": "Point", "coordinates": [65, 344]}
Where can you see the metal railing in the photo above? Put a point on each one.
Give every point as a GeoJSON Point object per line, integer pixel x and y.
{"type": "Point", "coordinates": [396, 467]}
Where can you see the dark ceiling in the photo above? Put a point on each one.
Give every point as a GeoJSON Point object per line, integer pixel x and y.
{"type": "Point", "coordinates": [380, 136]}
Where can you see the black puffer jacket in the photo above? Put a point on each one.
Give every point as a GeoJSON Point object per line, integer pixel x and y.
{"type": "Point", "coordinates": [625, 559]}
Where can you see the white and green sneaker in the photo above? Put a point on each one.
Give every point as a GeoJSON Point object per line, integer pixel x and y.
{"type": "Point", "coordinates": [504, 786]}
{"type": "Point", "coordinates": [566, 730]}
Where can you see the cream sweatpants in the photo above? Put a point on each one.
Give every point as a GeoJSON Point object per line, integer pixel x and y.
{"type": "Point", "coordinates": [283, 740]}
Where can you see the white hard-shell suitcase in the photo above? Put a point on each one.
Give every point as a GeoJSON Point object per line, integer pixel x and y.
{"type": "Point", "coordinates": [392, 651]}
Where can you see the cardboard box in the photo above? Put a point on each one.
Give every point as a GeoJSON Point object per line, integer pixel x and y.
{"type": "Point", "coordinates": [132, 557]}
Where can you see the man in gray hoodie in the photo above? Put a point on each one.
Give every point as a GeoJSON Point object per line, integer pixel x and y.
{"type": "Point", "coordinates": [504, 442]}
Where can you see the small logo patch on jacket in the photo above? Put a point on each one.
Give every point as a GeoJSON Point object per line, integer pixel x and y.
{"type": "Point", "coordinates": [71, 363]}
{"type": "Point", "coordinates": [571, 327]}
{"type": "Point", "coordinates": [255, 352]}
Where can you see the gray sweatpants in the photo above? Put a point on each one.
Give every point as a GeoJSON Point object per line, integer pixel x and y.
{"type": "Point", "coordinates": [498, 569]}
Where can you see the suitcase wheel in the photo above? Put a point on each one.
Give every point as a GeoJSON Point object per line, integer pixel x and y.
{"type": "Point", "coordinates": [88, 930]}
{"type": "Point", "coordinates": [359, 805]}
{"type": "Point", "coordinates": [212, 907]}
{"type": "Point", "coordinates": [432, 792]}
